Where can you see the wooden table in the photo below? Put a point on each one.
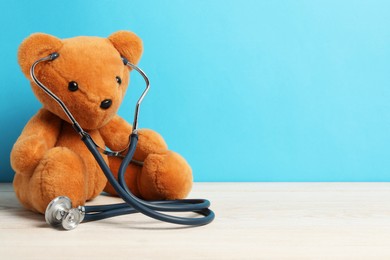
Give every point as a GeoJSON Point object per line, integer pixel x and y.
{"type": "Point", "coordinates": [254, 221]}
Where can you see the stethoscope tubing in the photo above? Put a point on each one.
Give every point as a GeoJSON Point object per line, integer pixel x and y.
{"type": "Point", "coordinates": [136, 203]}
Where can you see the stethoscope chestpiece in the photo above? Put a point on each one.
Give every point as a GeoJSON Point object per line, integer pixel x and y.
{"type": "Point", "coordinates": [59, 213]}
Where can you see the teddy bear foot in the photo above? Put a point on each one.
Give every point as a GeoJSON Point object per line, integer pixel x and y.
{"type": "Point", "coordinates": [59, 173]}
{"type": "Point", "coordinates": [165, 176]}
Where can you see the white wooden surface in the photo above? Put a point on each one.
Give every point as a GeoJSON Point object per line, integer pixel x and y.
{"type": "Point", "coordinates": [254, 221]}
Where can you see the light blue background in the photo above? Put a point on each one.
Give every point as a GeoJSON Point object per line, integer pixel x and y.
{"type": "Point", "coordinates": [245, 90]}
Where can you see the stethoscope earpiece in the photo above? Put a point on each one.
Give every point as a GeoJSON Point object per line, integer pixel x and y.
{"type": "Point", "coordinates": [59, 213]}
{"type": "Point", "coordinates": [54, 55]}
{"type": "Point", "coordinates": [125, 61]}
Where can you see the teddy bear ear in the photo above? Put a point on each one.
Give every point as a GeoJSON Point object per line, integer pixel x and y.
{"type": "Point", "coordinates": [128, 44]}
{"type": "Point", "coordinates": [34, 47]}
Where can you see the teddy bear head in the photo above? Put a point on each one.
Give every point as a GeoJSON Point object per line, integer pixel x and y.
{"type": "Point", "coordinates": [89, 75]}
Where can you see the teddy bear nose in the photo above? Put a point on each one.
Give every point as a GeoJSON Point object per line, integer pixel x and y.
{"type": "Point", "coordinates": [106, 103]}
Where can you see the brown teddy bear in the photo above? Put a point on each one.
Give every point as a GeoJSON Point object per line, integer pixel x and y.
{"type": "Point", "coordinates": [89, 76]}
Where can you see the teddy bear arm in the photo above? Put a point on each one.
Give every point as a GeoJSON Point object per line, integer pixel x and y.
{"type": "Point", "coordinates": [116, 133]}
{"type": "Point", "coordinates": [38, 136]}
{"type": "Point", "coordinates": [149, 142]}
{"type": "Point", "coordinates": [116, 137]}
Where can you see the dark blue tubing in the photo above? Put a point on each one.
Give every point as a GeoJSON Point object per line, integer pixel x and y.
{"type": "Point", "coordinates": [133, 204]}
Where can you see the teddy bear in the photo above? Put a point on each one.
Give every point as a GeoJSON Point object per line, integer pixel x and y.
{"type": "Point", "coordinates": [89, 76]}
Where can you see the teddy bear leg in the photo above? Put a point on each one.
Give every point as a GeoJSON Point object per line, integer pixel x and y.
{"type": "Point", "coordinates": [131, 176]}
{"type": "Point", "coordinates": [165, 176]}
{"type": "Point", "coordinates": [21, 185]}
{"type": "Point", "coordinates": [61, 172]}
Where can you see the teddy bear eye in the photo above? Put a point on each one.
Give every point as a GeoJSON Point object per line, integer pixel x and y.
{"type": "Point", "coordinates": [118, 80]}
{"type": "Point", "coordinates": [73, 86]}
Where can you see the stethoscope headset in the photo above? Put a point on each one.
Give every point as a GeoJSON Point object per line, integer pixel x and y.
{"type": "Point", "coordinates": [59, 212]}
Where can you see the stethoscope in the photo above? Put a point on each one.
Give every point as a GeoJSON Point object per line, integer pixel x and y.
{"type": "Point", "coordinates": [59, 212]}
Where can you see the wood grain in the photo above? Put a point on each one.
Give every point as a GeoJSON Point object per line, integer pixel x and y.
{"type": "Point", "coordinates": [254, 221]}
